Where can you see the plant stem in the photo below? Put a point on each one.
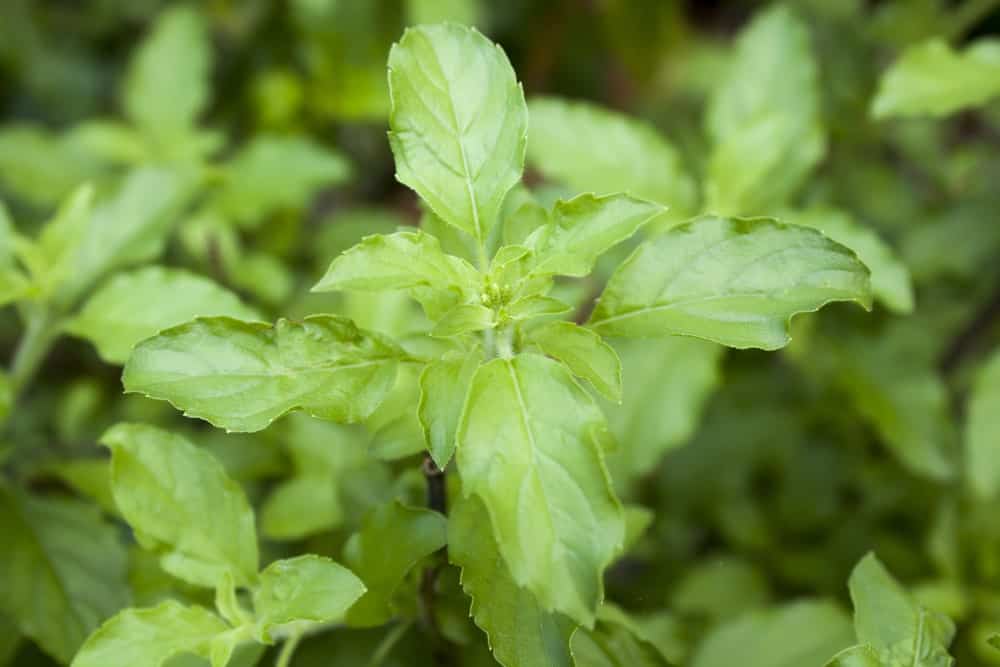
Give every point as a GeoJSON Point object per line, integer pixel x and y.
{"type": "Point", "coordinates": [288, 649]}
{"type": "Point", "coordinates": [437, 494]}
{"type": "Point", "coordinates": [437, 500]}
{"type": "Point", "coordinates": [39, 334]}
{"type": "Point", "coordinates": [967, 16]}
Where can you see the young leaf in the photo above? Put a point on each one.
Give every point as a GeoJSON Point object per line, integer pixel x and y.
{"type": "Point", "coordinates": [856, 656]}
{"type": "Point", "coordinates": [982, 431]}
{"type": "Point", "coordinates": [167, 85]}
{"type": "Point", "coordinates": [134, 306]}
{"type": "Point", "coordinates": [241, 376]}
{"type": "Point", "coordinates": [62, 570]}
{"type": "Point", "coordinates": [527, 448]}
{"type": "Point", "coordinates": [931, 79]}
{"type": "Point", "coordinates": [634, 157]}
{"type": "Point", "coordinates": [304, 588]}
{"type": "Point", "coordinates": [131, 228]}
{"type": "Point", "coordinates": [735, 281]}
{"type": "Point", "coordinates": [443, 386]}
{"type": "Point", "coordinates": [764, 119]}
{"type": "Point", "coordinates": [888, 620]}
{"type": "Point", "coordinates": [413, 533]}
{"type": "Point", "coordinates": [798, 634]}
{"type": "Point", "coordinates": [275, 172]}
{"type": "Point", "coordinates": [585, 227]}
{"type": "Point", "coordinates": [667, 384]}
{"type": "Point", "coordinates": [584, 353]}
{"type": "Point", "coordinates": [890, 277]}
{"type": "Point", "coordinates": [465, 318]}
{"type": "Point", "coordinates": [151, 636]}
{"type": "Point", "coordinates": [458, 123]}
{"type": "Point", "coordinates": [299, 507]}
{"type": "Point", "coordinates": [180, 502]}
{"type": "Point", "coordinates": [520, 632]}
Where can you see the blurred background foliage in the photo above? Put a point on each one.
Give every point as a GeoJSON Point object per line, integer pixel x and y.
{"type": "Point", "coordinates": [764, 477]}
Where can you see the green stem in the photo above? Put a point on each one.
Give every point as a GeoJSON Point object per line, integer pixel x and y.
{"type": "Point", "coordinates": [967, 16]}
{"type": "Point", "coordinates": [39, 334]}
{"type": "Point", "coordinates": [288, 650]}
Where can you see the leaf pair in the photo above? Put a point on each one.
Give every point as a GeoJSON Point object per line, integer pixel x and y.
{"type": "Point", "coordinates": [162, 485]}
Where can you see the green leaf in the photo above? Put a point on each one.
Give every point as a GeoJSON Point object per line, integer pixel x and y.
{"type": "Point", "coordinates": [180, 503]}
{"type": "Point", "coordinates": [667, 384]}
{"type": "Point", "coordinates": [405, 260]}
{"type": "Point", "coordinates": [720, 588]}
{"type": "Point", "coordinates": [764, 119]}
{"type": "Point", "coordinates": [584, 228]}
{"type": "Point", "coordinates": [633, 157]}
{"type": "Point", "coordinates": [465, 318]}
{"type": "Point", "coordinates": [241, 376]}
{"type": "Point", "coordinates": [62, 570]}
{"type": "Point", "coordinates": [458, 123]}
{"type": "Point", "coordinates": [888, 619]}
{"type": "Point", "coordinates": [273, 172]}
{"type": "Point", "coordinates": [299, 507]}
{"type": "Point", "coordinates": [932, 79]}
{"type": "Point", "coordinates": [735, 281]}
{"type": "Point", "coordinates": [798, 634]}
{"type": "Point", "coordinates": [856, 656]}
{"type": "Point", "coordinates": [393, 538]}
{"type": "Point", "coordinates": [131, 228]}
{"type": "Point", "coordinates": [584, 353]}
{"type": "Point", "coordinates": [521, 633]}
{"type": "Point", "coordinates": [151, 636]}
{"type": "Point", "coordinates": [304, 588]}
{"type": "Point", "coordinates": [890, 277]}
{"type": "Point", "coordinates": [527, 447]}
{"type": "Point", "coordinates": [134, 306]}
{"type": "Point", "coordinates": [535, 305]}
{"type": "Point", "coordinates": [982, 431]}
{"type": "Point", "coordinates": [443, 387]}
{"type": "Point", "coordinates": [616, 641]}
{"type": "Point", "coordinates": [167, 85]}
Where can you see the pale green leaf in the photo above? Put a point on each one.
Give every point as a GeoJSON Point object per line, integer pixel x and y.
{"type": "Point", "coordinates": [764, 119]}
{"type": "Point", "coordinates": [62, 570]}
{"type": "Point", "coordinates": [932, 79]}
{"type": "Point", "coordinates": [393, 538]}
{"type": "Point", "coordinates": [273, 172]}
{"type": "Point", "coordinates": [890, 278]}
{"type": "Point", "coordinates": [241, 376]}
{"type": "Point", "coordinates": [667, 383]}
{"type": "Point", "coordinates": [465, 318]}
{"type": "Point", "coordinates": [458, 123]}
{"type": "Point", "coordinates": [532, 306]}
{"type": "Point", "coordinates": [131, 228]}
{"type": "Point", "coordinates": [720, 588]}
{"type": "Point", "coordinates": [735, 281]}
{"type": "Point", "coordinates": [856, 656]}
{"type": "Point", "coordinates": [520, 632]}
{"type": "Point", "coordinates": [150, 637]}
{"type": "Point", "coordinates": [167, 84]}
{"type": "Point", "coordinates": [616, 641]}
{"type": "Point", "coordinates": [585, 227]}
{"type": "Point", "coordinates": [134, 306]}
{"type": "Point", "coordinates": [584, 353]}
{"type": "Point", "coordinates": [982, 431]}
{"type": "Point", "coordinates": [888, 619]}
{"type": "Point", "coordinates": [91, 478]}
{"type": "Point", "coordinates": [299, 507]}
{"type": "Point", "coordinates": [798, 634]}
{"type": "Point", "coordinates": [638, 519]}
{"type": "Point", "coordinates": [40, 166]}
{"type": "Point", "coordinates": [304, 588]}
{"type": "Point", "coordinates": [180, 503]}
{"type": "Point", "coordinates": [443, 387]}
{"type": "Point", "coordinates": [527, 448]}
{"type": "Point", "coordinates": [592, 149]}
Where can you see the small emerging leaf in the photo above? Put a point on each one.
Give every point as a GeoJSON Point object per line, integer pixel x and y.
{"type": "Point", "coordinates": [443, 387]}
{"type": "Point", "coordinates": [584, 353]}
